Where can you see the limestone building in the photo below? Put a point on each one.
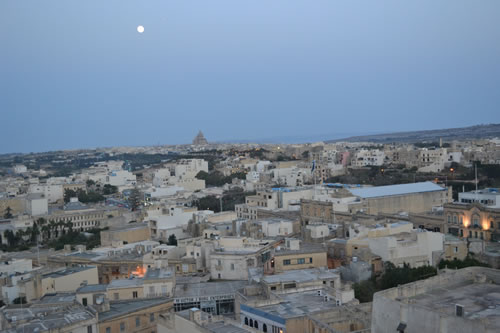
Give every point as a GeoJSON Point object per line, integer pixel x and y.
{"type": "Point", "coordinates": [464, 300]}
{"type": "Point", "coordinates": [200, 140]}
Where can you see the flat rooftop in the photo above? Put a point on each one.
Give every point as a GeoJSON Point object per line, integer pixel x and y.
{"type": "Point", "coordinates": [67, 271]}
{"type": "Point", "coordinates": [304, 248]}
{"type": "Point", "coordinates": [480, 301]}
{"type": "Point", "coordinates": [221, 327]}
{"type": "Point", "coordinates": [271, 220]}
{"type": "Point", "coordinates": [158, 273]}
{"type": "Point", "coordinates": [293, 305]}
{"type": "Point", "coordinates": [92, 288]}
{"type": "Point", "coordinates": [56, 298]}
{"type": "Point", "coordinates": [44, 319]}
{"type": "Point", "coordinates": [301, 275]}
{"type": "Point", "coordinates": [128, 227]}
{"type": "Point", "coordinates": [124, 307]}
{"type": "Point", "coordinates": [208, 289]}
{"type": "Point", "coordinates": [394, 190]}
{"type": "Point", "coordinates": [126, 283]}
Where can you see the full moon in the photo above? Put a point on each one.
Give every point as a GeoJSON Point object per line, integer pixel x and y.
{"type": "Point", "coordinates": [140, 29]}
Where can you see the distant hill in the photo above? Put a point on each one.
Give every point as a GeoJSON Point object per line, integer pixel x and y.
{"type": "Point", "coordinates": [472, 132]}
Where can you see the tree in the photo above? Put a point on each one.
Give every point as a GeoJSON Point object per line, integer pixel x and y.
{"type": "Point", "coordinates": [172, 240]}
{"type": "Point", "coordinates": [109, 189]}
{"type": "Point", "coordinates": [457, 264]}
{"type": "Point", "coordinates": [8, 213]}
{"type": "Point", "coordinates": [19, 300]}
{"type": "Point", "coordinates": [364, 290]}
{"type": "Point", "coordinates": [68, 194]}
{"type": "Point", "coordinates": [134, 199]}
{"type": "Point", "coordinates": [12, 239]}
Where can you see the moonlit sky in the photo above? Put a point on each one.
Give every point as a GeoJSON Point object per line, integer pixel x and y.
{"type": "Point", "coordinates": [77, 74]}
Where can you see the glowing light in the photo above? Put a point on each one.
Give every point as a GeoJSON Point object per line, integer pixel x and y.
{"type": "Point", "coordinates": [485, 225]}
{"type": "Point", "coordinates": [140, 29]}
{"type": "Point", "coordinates": [466, 222]}
{"type": "Point", "coordinates": [139, 271]}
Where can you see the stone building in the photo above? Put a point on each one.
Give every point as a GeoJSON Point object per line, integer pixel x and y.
{"type": "Point", "coordinates": [464, 300]}
{"type": "Point", "coordinates": [472, 221]}
{"type": "Point", "coordinates": [200, 140]}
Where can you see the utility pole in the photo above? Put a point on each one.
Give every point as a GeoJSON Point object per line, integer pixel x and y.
{"type": "Point", "coordinates": [475, 171]}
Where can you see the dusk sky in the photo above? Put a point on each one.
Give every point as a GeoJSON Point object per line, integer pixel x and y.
{"type": "Point", "coordinates": [77, 74]}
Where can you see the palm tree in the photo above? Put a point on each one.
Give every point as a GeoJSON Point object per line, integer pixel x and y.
{"type": "Point", "coordinates": [69, 225]}
{"type": "Point", "coordinates": [8, 213]}
{"type": "Point", "coordinates": [35, 231]}
{"type": "Point", "coordinates": [11, 238]}
{"type": "Point", "coordinates": [52, 226]}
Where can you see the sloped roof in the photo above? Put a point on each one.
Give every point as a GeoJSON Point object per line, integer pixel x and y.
{"type": "Point", "coordinates": [393, 190]}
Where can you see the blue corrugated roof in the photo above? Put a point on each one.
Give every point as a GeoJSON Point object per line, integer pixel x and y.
{"type": "Point", "coordinates": [262, 314]}
{"type": "Point", "coordinates": [390, 190]}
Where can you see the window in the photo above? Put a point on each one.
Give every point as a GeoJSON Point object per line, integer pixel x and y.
{"type": "Point", "coordinates": [310, 260]}
{"type": "Point", "coordinates": [108, 329]}
{"type": "Point", "coordinates": [301, 261]}
{"type": "Point", "coordinates": [475, 221]}
{"type": "Point", "coordinates": [151, 317]}
{"type": "Point", "coordinates": [122, 327]}
{"type": "Point", "coordinates": [232, 267]}
{"type": "Point", "coordinates": [273, 288]}
{"type": "Point", "coordinates": [256, 324]}
{"type": "Point", "coordinates": [151, 290]}
{"type": "Point", "coordinates": [116, 295]}
{"type": "Point", "coordinates": [246, 321]}
{"type": "Point", "coordinates": [219, 262]}
{"type": "Point", "coordinates": [286, 262]}
{"type": "Point", "coordinates": [456, 249]}
{"type": "Point", "coordinates": [264, 328]}
{"type": "Point", "coordinates": [137, 321]}
{"type": "Point", "coordinates": [89, 329]}
{"type": "Point", "coordinates": [449, 218]}
{"type": "Point", "coordinates": [455, 219]}
{"type": "Point", "coordinates": [134, 294]}
{"type": "Point", "coordinates": [84, 301]}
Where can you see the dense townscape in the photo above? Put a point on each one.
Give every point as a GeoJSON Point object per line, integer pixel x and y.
{"type": "Point", "coordinates": [222, 237]}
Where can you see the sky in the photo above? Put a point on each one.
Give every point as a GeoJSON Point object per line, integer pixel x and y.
{"type": "Point", "coordinates": [77, 74]}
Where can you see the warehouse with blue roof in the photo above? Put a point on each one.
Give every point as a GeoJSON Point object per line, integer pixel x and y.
{"type": "Point", "coordinates": [393, 199]}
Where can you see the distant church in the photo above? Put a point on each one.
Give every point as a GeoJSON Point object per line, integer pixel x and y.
{"type": "Point", "coordinates": [200, 140]}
